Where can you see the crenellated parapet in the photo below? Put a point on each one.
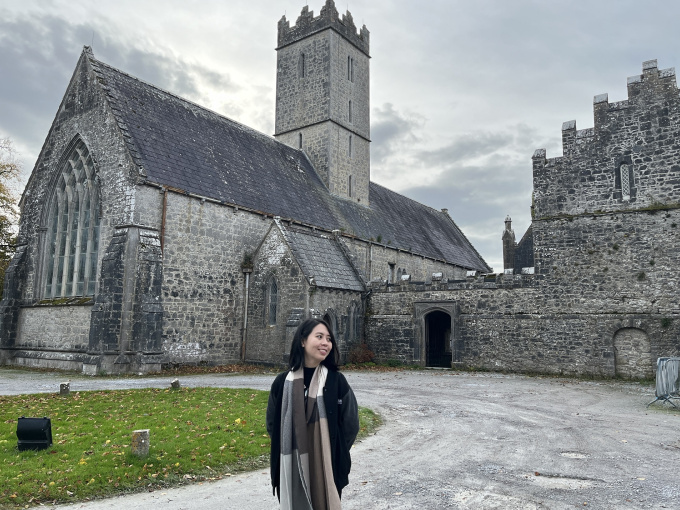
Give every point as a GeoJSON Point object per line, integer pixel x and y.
{"type": "Point", "coordinates": [651, 87]}
{"type": "Point", "coordinates": [626, 161]}
{"type": "Point", "coordinates": [307, 25]}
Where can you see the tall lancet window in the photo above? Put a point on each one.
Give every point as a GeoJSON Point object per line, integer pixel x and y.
{"type": "Point", "coordinates": [73, 229]}
{"type": "Point", "coordinates": [624, 171]}
{"type": "Point", "coordinates": [273, 301]}
{"type": "Point", "coordinates": [302, 71]}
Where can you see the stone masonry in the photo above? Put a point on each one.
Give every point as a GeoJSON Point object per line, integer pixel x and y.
{"type": "Point", "coordinates": [602, 298]}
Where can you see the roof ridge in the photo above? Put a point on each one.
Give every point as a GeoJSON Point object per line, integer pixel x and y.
{"type": "Point", "coordinates": [407, 198]}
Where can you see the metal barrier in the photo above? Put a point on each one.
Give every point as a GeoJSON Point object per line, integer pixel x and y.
{"type": "Point", "coordinates": [667, 380]}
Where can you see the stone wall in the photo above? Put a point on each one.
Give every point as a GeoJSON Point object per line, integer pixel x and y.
{"type": "Point", "coordinates": [338, 307]}
{"type": "Point", "coordinates": [502, 323]}
{"type": "Point", "coordinates": [83, 114]}
{"type": "Point", "coordinates": [374, 259]}
{"type": "Point", "coordinates": [203, 283]}
{"type": "Point", "coordinates": [55, 336]}
{"type": "Point", "coordinates": [302, 96]}
{"type": "Point", "coordinates": [640, 132]}
{"type": "Point", "coordinates": [315, 146]}
{"type": "Point", "coordinates": [610, 262]}
{"type": "Point", "coordinates": [345, 162]}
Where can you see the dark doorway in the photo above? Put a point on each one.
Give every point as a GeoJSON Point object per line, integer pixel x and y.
{"type": "Point", "coordinates": [438, 339]}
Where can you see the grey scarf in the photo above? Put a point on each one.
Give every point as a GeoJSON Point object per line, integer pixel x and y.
{"type": "Point", "coordinates": [306, 469]}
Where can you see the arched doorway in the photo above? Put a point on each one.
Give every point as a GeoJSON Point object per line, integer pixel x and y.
{"type": "Point", "coordinates": [438, 339]}
{"type": "Point", "coordinates": [632, 354]}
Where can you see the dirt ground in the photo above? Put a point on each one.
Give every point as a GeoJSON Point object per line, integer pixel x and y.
{"type": "Point", "coordinates": [460, 441]}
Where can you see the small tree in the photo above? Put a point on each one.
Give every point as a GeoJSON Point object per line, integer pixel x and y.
{"type": "Point", "coordinates": [9, 173]}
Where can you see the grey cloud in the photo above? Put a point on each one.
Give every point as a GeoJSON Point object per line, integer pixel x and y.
{"type": "Point", "coordinates": [467, 146]}
{"type": "Point", "coordinates": [170, 73]}
{"type": "Point", "coordinates": [390, 129]}
{"type": "Point", "coordinates": [37, 68]}
{"type": "Point", "coordinates": [36, 71]}
{"type": "Point", "coordinates": [478, 199]}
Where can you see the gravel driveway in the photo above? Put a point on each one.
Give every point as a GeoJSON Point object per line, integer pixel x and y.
{"type": "Point", "coordinates": [459, 440]}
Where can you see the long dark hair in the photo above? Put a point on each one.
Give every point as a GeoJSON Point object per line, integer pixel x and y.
{"type": "Point", "coordinates": [297, 352]}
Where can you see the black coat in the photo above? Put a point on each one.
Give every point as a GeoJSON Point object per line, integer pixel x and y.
{"type": "Point", "coordinates": [343, 425]}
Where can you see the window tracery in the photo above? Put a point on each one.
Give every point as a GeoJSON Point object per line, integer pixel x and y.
{"type": "Point", "coordinates": [73, 229]}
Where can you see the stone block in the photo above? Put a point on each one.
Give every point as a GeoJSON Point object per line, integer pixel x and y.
{"type": "Point", "coordinates": [140, 443]}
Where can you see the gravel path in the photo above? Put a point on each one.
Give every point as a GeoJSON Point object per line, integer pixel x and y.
{"type": "Point", "coordinates": [460, 441]}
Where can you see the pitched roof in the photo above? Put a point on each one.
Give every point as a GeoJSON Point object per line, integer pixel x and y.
{"type": "Point", "coordinates": [179, 144]}
{"type": "Point", "coordinates": [321, 257]}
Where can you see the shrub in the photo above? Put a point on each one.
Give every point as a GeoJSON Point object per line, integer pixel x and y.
{"type": "Point", "coordinates": [361, 354]}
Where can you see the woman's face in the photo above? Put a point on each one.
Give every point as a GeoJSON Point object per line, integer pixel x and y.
{"type": "Point", "coordinates": [317, 346]}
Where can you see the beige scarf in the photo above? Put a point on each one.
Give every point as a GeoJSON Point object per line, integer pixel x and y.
{"type": "Point", "coordinates": [306, 466]}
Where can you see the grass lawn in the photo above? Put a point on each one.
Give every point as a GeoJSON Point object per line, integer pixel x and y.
{"type": "Point", "coordinates": [195, 434]}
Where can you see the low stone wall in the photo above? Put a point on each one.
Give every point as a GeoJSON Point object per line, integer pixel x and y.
{"type": "Point", "coordinates": [52, 336]}
{"type": "Point", "coordinates": [506, 325]}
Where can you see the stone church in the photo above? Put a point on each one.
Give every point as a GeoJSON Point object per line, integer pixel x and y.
{"type": "Point", "coordinates": [156, 232]}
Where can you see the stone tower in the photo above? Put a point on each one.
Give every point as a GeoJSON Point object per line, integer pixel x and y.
{"type": "Point", "coordinates": [322, 97]}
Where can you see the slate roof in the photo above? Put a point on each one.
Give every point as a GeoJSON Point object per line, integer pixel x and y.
{"type": "Point", "coordinates": [321, 257]}
{"type": "Point", "coordinates": [179, 144]}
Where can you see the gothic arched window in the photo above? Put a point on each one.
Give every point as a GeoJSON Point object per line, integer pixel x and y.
{"type": "Point", "coordinates": [73, 229]}
{"type": "Point", "coordinates": [272, 301]}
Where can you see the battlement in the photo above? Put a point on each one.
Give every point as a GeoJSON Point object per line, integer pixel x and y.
{"type": "Point", "coordinates": [650, 86]}
{"type": "Point", "coordinates": [473, 280]}
{"type": "Point", "coordinates": [307, 25]}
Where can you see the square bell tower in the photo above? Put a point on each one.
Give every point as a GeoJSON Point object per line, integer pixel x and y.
{"type": "Point", "coordinates": [322, 97]}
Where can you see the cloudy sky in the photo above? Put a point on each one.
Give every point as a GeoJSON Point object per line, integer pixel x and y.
{"type": "Point", "coordinates": [462, 92]}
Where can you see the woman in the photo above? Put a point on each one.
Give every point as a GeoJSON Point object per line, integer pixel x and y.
{"type": "Point", "coordinates": [312, 419]}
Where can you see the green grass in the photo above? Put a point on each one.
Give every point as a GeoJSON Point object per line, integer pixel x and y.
{"type": "Point", "coordinates": [195, 434]}
{"type": "Point", "coordinates": [368, 422]}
